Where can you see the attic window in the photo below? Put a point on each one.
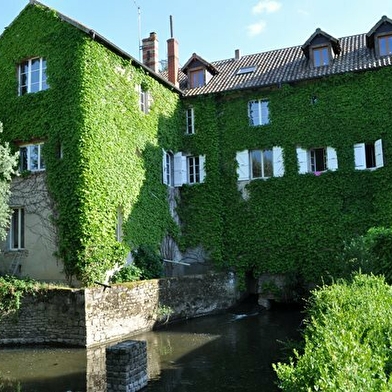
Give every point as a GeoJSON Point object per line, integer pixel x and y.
{"type": "Point", "coordinates": [246, 70]}
{"type": "Point", "coordinates": [385, 45]}
{"type": "Point", "coordinates": [197, 78]}
{"type": "Point", "coordinates": [321, 56]}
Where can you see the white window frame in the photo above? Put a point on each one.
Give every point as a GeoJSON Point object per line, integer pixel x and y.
{"type": "Point", "coordinates": [190, 121]}
{"type": "Point", "coordinates": [360, 156]}
{"type": "Point", "coordinates": [182, 165]}
{"type": "Point", "coordinates": [30, 154]}
{"type": "Point", "coordinates": [244, 166]}
{"type": "Point", "coordinates": [168, 168]}
{"type": "Point", "coordinates": [119, 224]}
{"type": "Point", "coordinates": [17, 234]}
{"type": "Point", "coordinates": [144, 99]}
{"type": "Point", "coordinates": [304, 158]}
{"type": "Point", "coordinates": [321, 55]}
{"type": "Point", "coordinates": [28, 85]}
{"type": "Point", "coordinates": [258, 112]}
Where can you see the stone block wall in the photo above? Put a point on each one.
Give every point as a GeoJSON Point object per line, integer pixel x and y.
{"type": "Point", "coordinates": [98, 315]}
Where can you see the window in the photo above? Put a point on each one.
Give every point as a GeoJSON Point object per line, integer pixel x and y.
{"type": "Point", "coordinates": [196, 78]}
{"type": "Point", "coordinates": [368, 155]}
{"type": "Point", "coordinates": [260, 163]}
{"type": "Point", "coordinates": [258, 112]}
{"type": "Point", "coordinates": [188, 169]}
{"type": "Point", "coordinates": [168, 168]}
{"type": "Point", "coordinates": [17, 229]}
{"type": "Point", "coordinates": [32, 76]}
{"type": "Point", "coordinates": [145, 99]}
{"type": "Point", "coordinates": [246, 70]}
{"type": "Point", "coordinates": [317, 160]}
{"type": "Point", "coordinates": [119, 224]}
{"type": "Point", "coordinates": [190, 121]}
{"type": "Point", "coordinates": [385, 45]}
{"type": "Point", "coordinates": [321, 56]}
{"type": "Point", "coordinates": [31, 157]}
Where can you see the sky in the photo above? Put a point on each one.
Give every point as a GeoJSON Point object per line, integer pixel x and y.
{"type": "Point", "coordinates": [214, 29]}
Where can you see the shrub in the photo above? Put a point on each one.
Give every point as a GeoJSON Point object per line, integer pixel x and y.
{"type": "Point", "coordinates": [149, 261]}
{"type": "Point", "coordinates": [347, 340]}
{"type": "Point", "coordinates": [128, 273]}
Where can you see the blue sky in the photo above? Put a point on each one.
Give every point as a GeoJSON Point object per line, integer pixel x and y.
{"type": "Point", "coordinates": [214, 29]}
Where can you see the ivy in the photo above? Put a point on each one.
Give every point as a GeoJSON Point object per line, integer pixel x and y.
{"type": "Point", "coordinates": [92, 111]}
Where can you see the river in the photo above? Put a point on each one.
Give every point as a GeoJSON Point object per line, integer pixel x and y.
{"type": "Point", "coordinates": [229, 352]}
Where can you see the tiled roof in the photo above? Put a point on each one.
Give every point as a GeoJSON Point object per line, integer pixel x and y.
{"type": "Point", "coordinates": [286, 66]}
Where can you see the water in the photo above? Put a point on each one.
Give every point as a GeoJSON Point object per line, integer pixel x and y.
{"type": "Point", "coordinates": [230, 352]}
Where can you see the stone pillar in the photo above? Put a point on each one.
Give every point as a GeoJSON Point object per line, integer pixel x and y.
{"type": "Point", "coordinates": [126, 366]}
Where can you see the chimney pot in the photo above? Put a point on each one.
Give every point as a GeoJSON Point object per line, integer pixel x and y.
{"type": "Point", "coordinates": [172, 61]}
{"type": "Point", "coordinates": [237, 54]}
{"type": "Point", "coordinates": [150, 52]}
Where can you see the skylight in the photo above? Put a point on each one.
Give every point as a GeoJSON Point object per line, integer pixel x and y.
{"type": "Point", "coordinates": [245, 70]}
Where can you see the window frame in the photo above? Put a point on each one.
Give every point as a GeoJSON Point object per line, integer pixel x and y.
{"type": "Point", "coordinates": [305, 164]}
{"type": "Point", "coordinates": [321, 55]}
{"type": "Point", "coordinates": [244, 165]}
{"type": "Point", "coordinates": [190, 121]}
{"type": "Point", "coordinates": [361, 159]}
{"type": "Point", "coordinates": [25, 87]}
{"type": "Point", "coordinates": [197, 77]}
{"type": "Point", "coordinates": [17, 230]}
{"type": "Point", "coordinates": [263, 114]}
{"type": "Point", "coordinates": [40, 161]}
{"type": "Point", "coordinates": [387, 38]}
{"type": "Point", "coordinates": [182, 169]}
{"type": "Point", "coordinates": [168, 168]}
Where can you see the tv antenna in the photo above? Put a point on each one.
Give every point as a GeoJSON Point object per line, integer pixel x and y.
{"type": "Point", "coordinates": [139, 29]}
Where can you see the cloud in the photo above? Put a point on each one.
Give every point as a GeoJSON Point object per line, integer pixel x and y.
{"type": "Point", "coordinates": [267, 6]}
{"type": "Point", "coordinates": [256, 28]}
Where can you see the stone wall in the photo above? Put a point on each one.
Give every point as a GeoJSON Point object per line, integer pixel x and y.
{"type": "Point", "coordinates": [100, 315]}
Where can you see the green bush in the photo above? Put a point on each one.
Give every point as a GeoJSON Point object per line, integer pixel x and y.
{"type": "Point", "coordinates": [149, 261]}
{"type": "Point", "coordinates": [347, 340]}
{"type": "Point", "coordinates": [128, 273]}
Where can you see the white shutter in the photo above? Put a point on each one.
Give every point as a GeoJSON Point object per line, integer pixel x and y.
{"type": "Point", "coordinates": [359, 156]}
{"type": "Point", "coordinates": [180, 174]}
{"type": "Point", "coordinates": [278, 166]}
{"type": "Point", "coordinates": [243, 165]}
{"type": "Point", "coordinates": [332, 159]}
{"type": "Point", "coordinates": [164, 168]}
{"type": "Point", "coordinates": [202, 161]}
{"type": "Point", "coordinates": [303, 160]}
{"type": "Point", "coordinates": [379, 153]}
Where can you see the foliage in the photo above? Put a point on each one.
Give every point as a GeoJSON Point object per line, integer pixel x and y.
{"type": "Point", "coordinates": [295, 224]}
{"type": "Point", "coordinates": [128, 273]}
{"type": "Point", "coordinates": [12, 291]}
{"type": "Point", "coordinates": [8, 163]}
{"type": "Point", "coordinates": [149, 262]}
{"type": "Point", "coordinates": [91, 111]}
{"type": "Point", "coordinates": [348, 340]}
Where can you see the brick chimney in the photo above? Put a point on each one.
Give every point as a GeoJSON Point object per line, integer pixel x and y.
{"type": "Point", "coordinates": [172, 61]}
{"type": "Point", "coordinates": [150, 52]}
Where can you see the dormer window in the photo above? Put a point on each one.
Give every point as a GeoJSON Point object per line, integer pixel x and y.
{"type": "Point", "coordinates": [320, 48]}
{"type": "Point", "coordinates": [196, 78]}
{"type": "Point", "coordinates": [385, 45]}
{"type": "Point", "coordinates": [199, 71]}
{"type": "Point", "coordinates": [321, 56]}
{"type": "Point", "coordinates": [379, 37]}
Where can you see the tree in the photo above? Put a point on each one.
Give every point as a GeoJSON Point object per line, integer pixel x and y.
{"type": "Point", "coordinates": [8, 162]}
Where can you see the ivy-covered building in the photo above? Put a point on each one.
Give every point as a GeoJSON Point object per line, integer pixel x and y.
{"type": "Point", "coordinates": [264, 163]}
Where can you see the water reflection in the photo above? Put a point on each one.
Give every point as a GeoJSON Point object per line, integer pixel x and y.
{"type": "Point", "coordinates": [217, 353]}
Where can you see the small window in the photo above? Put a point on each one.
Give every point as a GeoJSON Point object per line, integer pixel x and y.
{"type": "Point", "coordinates": [317, 160]}
{"type": "Point", "coordinates": [246, 70]}
{"type": "Point", "coordinates": [190, 121]}
{"type": "Point", "coordinates": [385, 45]}
{"type": "Point", "coordinates": [188, 169]}
{"type": "Point", "coordinates": [144, 100]}
{"type": "Point", "coordinates": [17, 230]}
{"type": "Point", "coordinates": [368, 155]}
{"type": "Point", "coordinates": [119, 225]}
{"type": "Point", "coordinates": [32, 76]}
{"type": "Point", "coordinates": [321, 56]}
{"type": "Point", "coordinates": [31, 158]}
{"type": "Point", "coordinates": [264, 164]}
{"type": "Point", "coordinates": [168, 168]}
{"type": "Point", "coordinates": [258, 112]}
{"type": "Point", "coordinates": [196, 78]}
